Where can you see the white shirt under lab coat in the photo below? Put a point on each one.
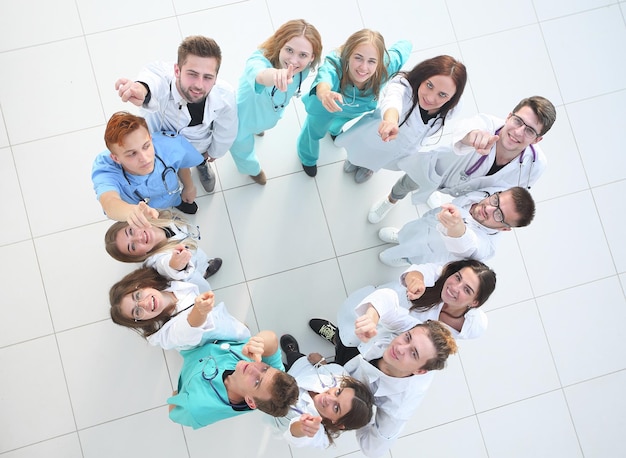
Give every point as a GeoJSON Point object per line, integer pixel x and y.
{"type": "Point", "coordinates": [178, 334]}
{"type": "Point", "coordinates": [167, 111]}
{"type": "Point", "coordinates": [309, 379]}
{"type": "Point", "coordinates": [425, 240]}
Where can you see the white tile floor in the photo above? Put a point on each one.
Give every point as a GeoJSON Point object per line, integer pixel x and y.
{"type": "Point", "coordinates": [548, 378]}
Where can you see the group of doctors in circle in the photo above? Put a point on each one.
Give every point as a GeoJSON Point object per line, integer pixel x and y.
{"type": "Point", "coordinates": [389, 339]}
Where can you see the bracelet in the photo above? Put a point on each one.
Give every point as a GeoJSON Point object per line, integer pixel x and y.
{"type": "Point", "coordinates": [146, 99]}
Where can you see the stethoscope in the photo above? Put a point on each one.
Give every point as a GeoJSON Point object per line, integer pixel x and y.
{"type": "Point", "coordinates": [351, 104]}
{"type": "Point", "coordinates": [188, 229]}
{"type": "Point", "coordinates": [322, 373]}
{"type": "Point", "coordinates": [163, 178]}
{"type": "Point", "coordinates": [209, 374]}
{"type": "Point", "coordinates": [176, 132]}
{"type": "Point", "coordinates": [468, 172]}
{"type": "Point", "coordinates": [282, 105]}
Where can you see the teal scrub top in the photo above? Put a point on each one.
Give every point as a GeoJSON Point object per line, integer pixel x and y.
{"type": "Point", "coordinates": [257, 108]}
{"type": "Point", "coordinates": [357, 103]}
{"type": "Point", "coordinates": [196, 403]}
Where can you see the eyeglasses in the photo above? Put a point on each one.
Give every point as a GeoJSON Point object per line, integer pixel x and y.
{"type": "Point", "coordinates": [518, 122]}
{"type": "Point", "coordinates": [137, 312]}
{"type": "Point", "coordinates": [494, 201]}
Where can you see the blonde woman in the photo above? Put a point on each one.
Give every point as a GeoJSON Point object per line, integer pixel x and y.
{"type": "Point", "coordinates": [347, 85]}
{"type": "Point", "coordinates": [169, 245]}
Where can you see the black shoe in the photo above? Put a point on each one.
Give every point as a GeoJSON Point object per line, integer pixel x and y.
{"type": "Point", "coordinates": [189, 208]}
{"type": "Point", "coordinates": [324, 329]}
{"type": "Point", "coordinates": [214, 266]}
{"type": "Point", "coordinates": [334, 137]}
{"type": "Point", "coordinates": [289, 344]}
{"type": "Point", "coordinates": [310, 170]}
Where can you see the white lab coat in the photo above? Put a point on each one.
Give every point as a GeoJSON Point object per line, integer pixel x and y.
{"type": "Point", "coordinates": [450, 167]}
{"type": "Point", "coordinates": [167, 111]}
{"type": "Point", "coordinates": [396, 399]}
{"type": "Point", "coordinates": [364, 146]}
{"type": "Point", "coordinates": [308, 380]}
{"type": "Point", "coordinates": [474, 325]}
{"type": "Point", "coordinates": [197, 266]}
{"type": "Point", "coordinates": [425, 239]}
{"type": "Point", "coordinates": [178, 334]}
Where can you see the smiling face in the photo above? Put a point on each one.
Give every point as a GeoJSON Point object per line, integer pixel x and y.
{"type": "Point", "coordinates": [196, 77]}
{"type": "Point", "coordinates": [251, 380]}
{"type": "Point", "coordinates": [333, 404]}
{"type": "Point", "coordinates": [362, 64]}
{"type": "Point", "coordinates": [483, 212]}
{"type": "Point", "coordinates": [434, 92]}
{"type": "Point", "coordinates": [138, 242]}
{"type": "Point", "coordinates": [136, 153]}
{"type": "Point", "coordinates": [512, 139]}
{"type": "Point", "coordinates": [460, 289]}
{"type": "Point", "coordinates": [298, 52]}
{"type": "Point", "coordinates": [150, 303]}
{"type": "Point", "coordinates": [407, 353]}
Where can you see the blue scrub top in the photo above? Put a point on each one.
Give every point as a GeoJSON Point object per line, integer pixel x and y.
{"type": "Point", "coordinates": [196, 403]}
{"type": "Point", "coordinates": [175, 152]}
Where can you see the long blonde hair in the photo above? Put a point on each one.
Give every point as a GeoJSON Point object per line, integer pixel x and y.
{"type": "Point", "coordinates": [164, 221]}
{"type": "Point", "coordinates": [380, 76]}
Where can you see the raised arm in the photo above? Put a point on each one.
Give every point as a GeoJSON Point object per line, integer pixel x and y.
{"type": "Point", "coordinates": [264, 344]}
{"type": "Point", "coordinates": [136, 215]}
{"type": "Point", "coordinates": [131, 91]}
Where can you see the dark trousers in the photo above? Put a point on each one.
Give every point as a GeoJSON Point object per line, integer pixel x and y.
{"type": "Point", "coordinates": [343, 354]}
{"type": "Point", "coordinates": [292, 357]}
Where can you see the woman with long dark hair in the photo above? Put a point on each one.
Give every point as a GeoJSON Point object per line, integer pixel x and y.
{"type": "Point", "coordinates": [171, 314]}
{"type": "Point", "coordinates": [415, 105]}
{"type": "Point", "coordinates": [329, 402]}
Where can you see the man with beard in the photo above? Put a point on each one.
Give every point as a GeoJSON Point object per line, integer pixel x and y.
{"type": "Point", "coordinates": [466, 228]}
{"type": "Point", "coordinates": [186, 99]}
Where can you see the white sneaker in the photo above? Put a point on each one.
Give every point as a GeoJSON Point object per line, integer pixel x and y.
{"type": "Point", "coordinates": [393, 262]}
{"type": "Point", "coordinates": [388, 235]}
{"type": "Point", "coordinates": [379, 210]}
